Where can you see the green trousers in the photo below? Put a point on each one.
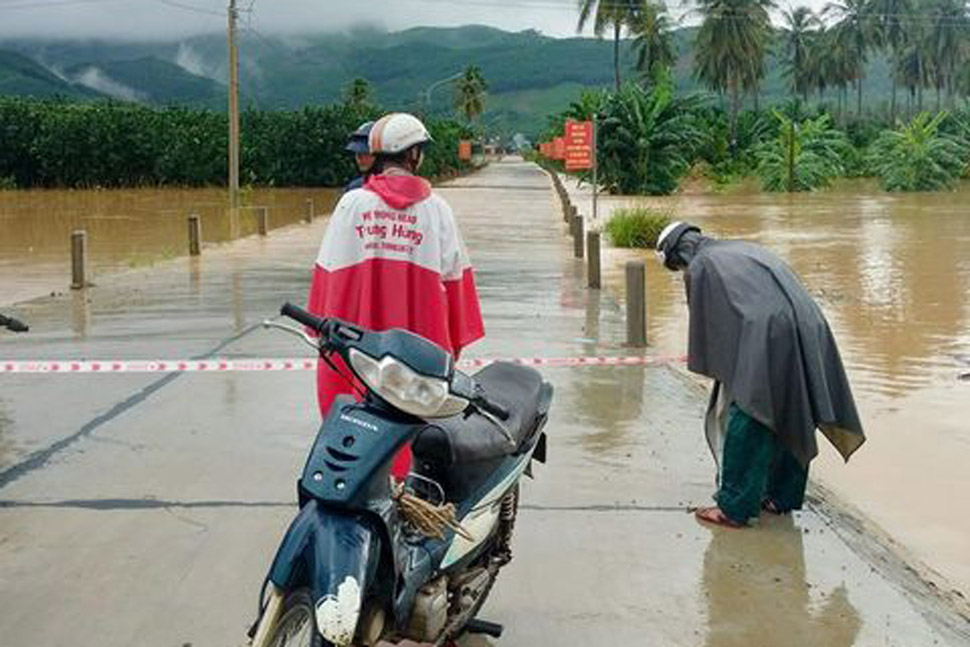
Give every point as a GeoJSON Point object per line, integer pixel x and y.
{"type": "Point", "coordinates": [756, 468]}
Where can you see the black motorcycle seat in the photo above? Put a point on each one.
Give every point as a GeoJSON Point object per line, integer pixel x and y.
{"type": "Point", "coordinates": [462, 440]}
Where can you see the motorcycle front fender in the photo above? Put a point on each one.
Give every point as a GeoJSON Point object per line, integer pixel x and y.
{"type": "Point", "coordinates": [336, 555]}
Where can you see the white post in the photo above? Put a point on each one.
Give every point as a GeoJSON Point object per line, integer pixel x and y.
{"type": "Point", "coordinates": [233, 108]}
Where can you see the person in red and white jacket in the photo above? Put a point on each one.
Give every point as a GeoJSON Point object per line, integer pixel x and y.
{"type": "Point", "coordinates": [392, 257]}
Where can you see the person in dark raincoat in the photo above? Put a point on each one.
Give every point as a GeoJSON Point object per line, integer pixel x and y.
{"type": "Point", "coordinates": [778, 376]}
{"type": "Point", "coordinates": [358, 144]}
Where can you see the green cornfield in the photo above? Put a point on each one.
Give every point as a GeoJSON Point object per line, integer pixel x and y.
{"type": "Point", "coordinates": [54, 143]}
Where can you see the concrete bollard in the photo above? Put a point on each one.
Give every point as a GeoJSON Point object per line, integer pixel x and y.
{"type": "Point", "coordinates": [593, 260]}
{"type": "Point", "coordinates": [262, 220]}
{"type": "Point", "coordinates": [308, 215]}
{"type": "Point", "coordinates": [636, 304]}
{"type": "Point", "coordinates": [79, 259]}
{"type": "Point", "coordinates": [195, 235]}
{"type": "Point", "coordinates": [578, 234]}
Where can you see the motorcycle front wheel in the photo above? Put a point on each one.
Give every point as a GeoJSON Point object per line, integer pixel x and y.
{"type": "Point", "coordinates": [297, 624]}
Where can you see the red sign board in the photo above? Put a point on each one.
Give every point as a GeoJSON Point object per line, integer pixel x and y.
{"type": "Point", "coordinates": [578, 145]}
{"type": "Point", "coordinates": [464, 149]}
{"type": "Point", "coordinates": [559, 148]}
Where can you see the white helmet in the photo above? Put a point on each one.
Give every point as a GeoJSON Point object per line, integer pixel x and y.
{"type": "Point", "coordinates": [667, 242]}
{"type": "Point", "coordinates": [397, 132]}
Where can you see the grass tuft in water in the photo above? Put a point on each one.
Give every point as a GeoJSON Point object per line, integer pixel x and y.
{"type": "Point", "coordinates": [637, 226]}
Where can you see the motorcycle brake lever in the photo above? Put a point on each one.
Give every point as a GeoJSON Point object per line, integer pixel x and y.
{"type": "Point", "coordinates": [293, 330]}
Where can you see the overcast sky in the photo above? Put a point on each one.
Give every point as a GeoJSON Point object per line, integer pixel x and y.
{"type": "Point", "coordinates": [163, 19]}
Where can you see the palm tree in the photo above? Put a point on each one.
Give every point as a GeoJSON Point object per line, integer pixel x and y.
{"type": "Point", "coordinates": [730, 49]}
{"type": "Point", "coordinates": [358, 93]}
{"type": "Point", "coordinates": [913, 64]}
{"type": "Point", "coordinates": [800, 27]}
{"type": "Point", "coordinates": [854, 32]}
{"type": "Point", "coordinates": [610, 13]}
{"type": "Point", "coordinates": [653, 40]}
{"type": "Point", "coordinates": [470, 93]}
{"type": "Point", "coordinates": [817, 61]}
{"type": "Point", "coordinates": [889, 32]}
{"type": "Point", "coordinates": [947, 31]}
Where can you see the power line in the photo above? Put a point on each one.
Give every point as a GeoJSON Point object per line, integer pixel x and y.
{"type": "Point", "coordinates": [192, 8]}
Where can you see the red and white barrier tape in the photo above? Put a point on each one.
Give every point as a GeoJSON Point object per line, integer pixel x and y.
{"type": "Point", "coordinates": [223, 365]}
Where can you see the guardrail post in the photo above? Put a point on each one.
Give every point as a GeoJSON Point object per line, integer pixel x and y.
{"type": "Point", "coordinates": [79, 259]}
{"type": "Point", "coordinates": [578, 235]}
{"type": "Point", "coordinates": [262, 220]}
{"type": "Point", "coordinates": [636, 304]}
{"type": "Point", "coordinates": [593, 259]}
{"type": "Point", "coordinates": [195, 235]}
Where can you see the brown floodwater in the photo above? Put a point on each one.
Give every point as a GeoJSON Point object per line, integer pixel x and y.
{"type": "Point", "coordinates": [126, 228]}
{"type": "Point", "coordinates": [892, 273]}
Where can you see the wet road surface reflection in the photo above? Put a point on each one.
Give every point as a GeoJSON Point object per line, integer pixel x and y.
{"type": "Point", "coordinates": [757, 593]}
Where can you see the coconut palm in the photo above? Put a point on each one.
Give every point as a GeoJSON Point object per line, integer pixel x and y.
{"type": "Point", "coordinates": [653, 39]}
{"type": "Point", "coordinates": [800, 26]}
{"type": "Point", "coordinates": [889, 33]}
{"type": "Point", "coordinates": [615, 14]}
{"type": "Point", "coordinates": [913, 63]}
{"type": "Point", "coordinates": [854, 33]}
{"type": "Point", "coordinates": [730, 48]}
{"type": "Point", "coordinates": [946, 33]}
{"type": "Point", "coordinates": [470, 91]}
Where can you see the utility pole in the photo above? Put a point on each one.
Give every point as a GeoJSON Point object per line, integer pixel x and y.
{"type": "Point", "coordinates": [233, 108]}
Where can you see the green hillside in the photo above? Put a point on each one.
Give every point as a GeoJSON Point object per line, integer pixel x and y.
{"type": "Point", "coordinates": [159, 82]}
{"type": "Point", "coordinates": [22, 76]}
{"type": "Point", "coordinates": [529, 75]}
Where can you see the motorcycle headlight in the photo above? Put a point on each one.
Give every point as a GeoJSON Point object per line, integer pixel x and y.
{"type": "Point", "coordinates": [402, 387]}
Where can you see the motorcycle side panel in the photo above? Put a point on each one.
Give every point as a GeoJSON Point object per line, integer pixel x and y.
{"type": "Point", "coordinates": [338, 556]}
{"type": "Point", "coordinates": [481, 516]}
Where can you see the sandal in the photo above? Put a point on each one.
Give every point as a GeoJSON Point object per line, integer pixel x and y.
{"type": "Point", "coordinates": [716, 516]}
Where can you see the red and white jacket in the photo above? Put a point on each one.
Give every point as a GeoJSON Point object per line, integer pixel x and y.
{"type": "Point", "coordinates": [392, 257]}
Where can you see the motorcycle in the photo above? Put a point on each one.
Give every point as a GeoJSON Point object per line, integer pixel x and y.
{"type": "Point", "coordinates": [13, 325]}
{"type": "Point", "coordinates": [358, 565]}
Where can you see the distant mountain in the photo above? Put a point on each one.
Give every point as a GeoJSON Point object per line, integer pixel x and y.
{"type": "Point", "coordinates": [529, 75]}
{"type": "Point", "coordinates": [23, 76]}
{"type": "Point", "coordinates": [150, 80]}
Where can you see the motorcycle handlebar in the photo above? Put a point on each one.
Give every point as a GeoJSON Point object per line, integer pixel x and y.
{"type": "Point", "coordinates": [298, 314]}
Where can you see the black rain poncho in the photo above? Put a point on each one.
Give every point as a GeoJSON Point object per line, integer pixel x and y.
{"type": "Point", "coordinates": [757, 332]}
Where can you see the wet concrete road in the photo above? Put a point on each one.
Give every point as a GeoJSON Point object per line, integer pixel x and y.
{"type": "Point", "coordinates": [143, 510]}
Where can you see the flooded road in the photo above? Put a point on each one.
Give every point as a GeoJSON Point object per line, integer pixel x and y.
{"type": "Point", "coordinates": [127, 228]}
{"type": "Point", "coordinates": [892, 273]}
{"type": "Point", "coordinates": [144, 510]}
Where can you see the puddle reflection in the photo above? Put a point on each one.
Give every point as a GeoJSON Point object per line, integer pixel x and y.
{"type": "Point", "coordinates": [754, 581]}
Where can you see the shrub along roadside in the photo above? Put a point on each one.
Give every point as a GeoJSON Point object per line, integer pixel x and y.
{"type": "Point", "coordinates": [803, 157]}
{"type": "Point", "coordinates": [920, 155]}
{"type": "Point", "coordinates": [637, 226]}
{"type": "Point", "coordinates": [53, 143]}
